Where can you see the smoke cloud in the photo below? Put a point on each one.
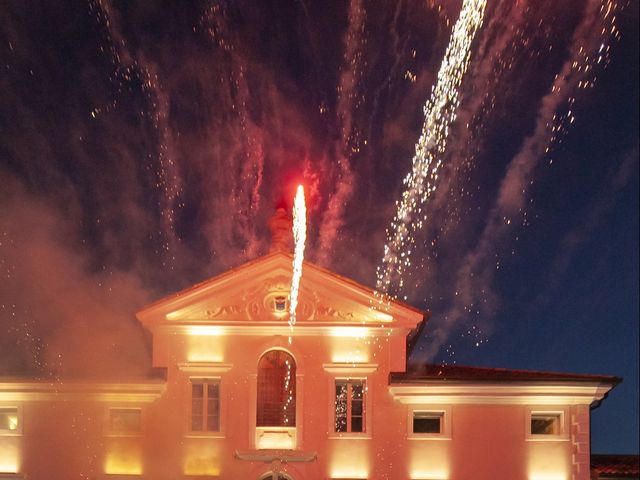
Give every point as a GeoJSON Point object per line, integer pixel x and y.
{"type": "Point", "coordinates": [144, 146]}
{"type": "Point", "coordinates": [62, 317]}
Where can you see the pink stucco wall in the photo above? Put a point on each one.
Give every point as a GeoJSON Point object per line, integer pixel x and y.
{"type": "Point", "coordinates": [486, 441]}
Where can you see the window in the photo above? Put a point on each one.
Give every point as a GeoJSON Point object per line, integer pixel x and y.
{"type": "Point", "coordinates": [124, 420]}
{"type": "Point", "coordinates": [427, 422]}
{"type": "Point", "coordinates": [546, 423]}
{"type": "Point", "coordinates": [9, 420]}
{"type": "Point", "coordinates": [350, 406]}
{"type": "Point", "coordinates": [276, 405]}
{"type": "Point", "coordinates": [205, 405]}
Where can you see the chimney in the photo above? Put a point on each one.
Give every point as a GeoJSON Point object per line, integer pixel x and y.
{"type": "Point", "coordinates": [281, 236]}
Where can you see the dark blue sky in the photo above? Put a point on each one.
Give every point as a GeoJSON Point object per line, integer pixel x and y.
{"type": "Point", "coordinates": [143, 148]}
{"type": "Point", "coordinates": [570, 293]}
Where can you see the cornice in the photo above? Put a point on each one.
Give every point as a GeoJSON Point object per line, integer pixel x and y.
{"type": "Point", "coordinates": [301, 329]}
{"type": "Point", "coordinates": [350, 368]}
{"type": "Point", "coordinates": [531, 393]}
{"type": "Point", "coordinates": [204, 367]}
{"type": "Point", "coordinates": [105, 392]}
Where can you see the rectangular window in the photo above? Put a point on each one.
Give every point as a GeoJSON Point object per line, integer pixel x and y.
{"type": "Point", "coordinates": [350, 406]}
{"type": "Point", "coordinates": [427, 422]}
{"type": "Point", "coordinates": [205, 405]}
{"type": "Point", "coordinates": [546, 423]}
{"type": "Point", "coordinates": [9, 420]}
{"type": "Point", "coordinates": [124, 420]}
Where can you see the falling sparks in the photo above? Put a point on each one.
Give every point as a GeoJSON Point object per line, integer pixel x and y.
{"type": "Point", "coordinates": [132, 74]}
{"type": "Point", "coordinates": [234, 92]}
{"type": "Point", "coordinates": [420, 183]}
{"type": "Point", "coordinates": [299, 239]}
{"type": "Point", "coordinates": [288, 388]}
{"type": "Point", "coordinates": [589, 53]}
{"type": "Point", "coordinates": [349, 102]}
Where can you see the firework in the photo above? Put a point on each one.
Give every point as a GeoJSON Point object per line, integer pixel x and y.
{"type": "Point", "coordinates": [299, 239]}
{"type": "Point", "coordinates": [588, 52]}
{"type": "Point", "coordinates": [440, 112]}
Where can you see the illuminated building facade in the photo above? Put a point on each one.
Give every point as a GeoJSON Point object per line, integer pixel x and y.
{"type": "Point", "coordinates": [245, 396]}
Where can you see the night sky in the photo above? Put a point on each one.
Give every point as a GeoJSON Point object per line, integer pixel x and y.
{"type": "Point", "coordinates": [144, 146]}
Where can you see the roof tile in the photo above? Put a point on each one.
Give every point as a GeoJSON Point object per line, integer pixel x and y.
{"type": "Point", "coordinates": [431, 372]}
{"type": "Point", "coordinates": [618, 465]}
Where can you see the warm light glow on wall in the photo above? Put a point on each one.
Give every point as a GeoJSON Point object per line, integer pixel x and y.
{"type": "Point", "coordinates": [205, 330]}
{"type": "Point", "coordinates": [549, 460]}
{"type": "Point", "coordinates": [428, 475]}
{"type": "Point", "coordinates": [207, 348]}
{"type": "Point", "coordinates": [9, 455]}
{"type": "Point", "coordinates": [8, 467]}
{"type": "Point", "coordinates": [354, 332]}
{"type": "Point", "coordinates": [276, 438]}
{"type": "Point", "coordinates": [429, 460]}
{"type": "Point", "coordinates": [345, 349]}
{"type": "Point", "coordinates": [123, 459]}
{"type": "Point", "coordinates": [350, 356]}
{"type": "Point", "coordinates": [201, 460]}
{"type": "Point", "coordinates": [547, 476]}
{"type": "Point", "coordinates": [349, 460]}
{"type": "Point", "coordinates": [348, 474]}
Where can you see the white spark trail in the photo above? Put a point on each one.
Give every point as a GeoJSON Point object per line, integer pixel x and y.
{"type": "Point", "coordinates": [299, 239]}
{"type": "Point", "coordinates": [440, 113]}
{"type": "Point", "coordinates": [590, 46]}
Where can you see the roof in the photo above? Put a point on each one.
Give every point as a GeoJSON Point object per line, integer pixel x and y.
{"type": "Point", "coordinates": [616, 465]}
{"type": "Point", "coordinates": [248, 265]}
{"type": "Point", "coordinates": [431, 372]}
{"type": "Point", "coordinates": [243, 298]}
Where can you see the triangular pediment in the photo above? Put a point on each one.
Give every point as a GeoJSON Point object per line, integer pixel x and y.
{"type": "Point", "coordinates": [258, 292]}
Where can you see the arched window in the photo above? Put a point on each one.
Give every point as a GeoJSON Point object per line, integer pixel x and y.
{"type": "Point", "coordinates": [276, 403]}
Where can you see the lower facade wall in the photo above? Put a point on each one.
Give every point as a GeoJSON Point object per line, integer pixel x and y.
{"type": "Point", "coordinates": [486, 443]}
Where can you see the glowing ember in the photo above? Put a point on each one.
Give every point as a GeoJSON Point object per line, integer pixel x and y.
{"type": "Point", "coordinates": [439, 113]}
{"type": "Point", "coordinates": [299, 239]}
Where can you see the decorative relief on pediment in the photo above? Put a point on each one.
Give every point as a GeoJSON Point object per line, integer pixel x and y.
{"type": "Point", "coordinates": [224, 311]}
{"type": "Point", "coordinates": [275, 305]}
{"type": "Point", "coordinates": [270, 301]}
{"type": "Point", "coordinates": [264, 297]}
{"type": "Point", "coordinates": [306, 310]}
{"type": "Point", "coordinates": [325, 312]}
